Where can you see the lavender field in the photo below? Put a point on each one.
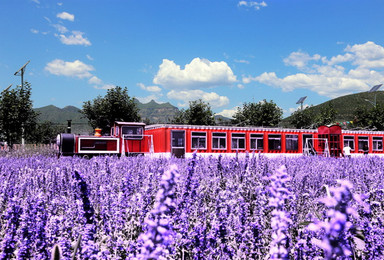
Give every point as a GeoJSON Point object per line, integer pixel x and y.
{"type": "Point", "coordinates": [199, 208]}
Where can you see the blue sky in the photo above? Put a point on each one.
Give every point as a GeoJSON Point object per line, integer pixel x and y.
{"type": "Point", "coordinates": [225, 52]}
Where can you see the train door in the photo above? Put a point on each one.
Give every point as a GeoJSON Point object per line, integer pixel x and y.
{"type": "Point", "coordinates": [333, 136]}
{"type": "Point", "coordinates": [178, 143]}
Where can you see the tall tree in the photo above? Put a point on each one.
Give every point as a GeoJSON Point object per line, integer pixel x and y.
{"type": "Point", "coordinates": [116, 105]}
{"type": "Point", "coordinates": [263, 113]}
{"type": "Point", "coordinates": [303, 118]}
{"type": "Point", "coordinates": [17, 117]}
{"type": "Point", "coordinates": [327, 115]}
{"type": "Point", "coordinates": [198, 113]}
{"type": "Point", "coordinates": [45, 133]}
{"type": "Point", "coordinates": [370, 118]}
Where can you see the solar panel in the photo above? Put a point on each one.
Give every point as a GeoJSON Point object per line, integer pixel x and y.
{"type": "Point", "coordinates": [375, 88]}
{"type": "Point", "coordinates": [301, 100]}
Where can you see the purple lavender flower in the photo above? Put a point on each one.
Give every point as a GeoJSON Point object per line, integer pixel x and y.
{"type": "Point", "coordinates": [280, 222]}
{"type": "Point", "coordinates": [159, 236]}
{"type": "Point", "coordinates": [13, 221]}
{"type": "Point", "coordinates": [336, 228]}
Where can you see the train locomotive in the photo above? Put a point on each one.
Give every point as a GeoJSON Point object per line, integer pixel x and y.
{"type": "Point", "coordinates": [131, 138]}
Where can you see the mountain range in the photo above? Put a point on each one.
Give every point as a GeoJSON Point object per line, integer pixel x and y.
{"type": "Point", "coordinates": [154, 112]}
{"type": "Point", "coordinates": [150, 112]}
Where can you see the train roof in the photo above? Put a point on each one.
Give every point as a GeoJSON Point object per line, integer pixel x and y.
{"type": "Point", "coordinates": [230, 128]}
{"type": "Point", "coordinates": [253, 128]}
{"type": "Point", "coordinates": [129, 123]}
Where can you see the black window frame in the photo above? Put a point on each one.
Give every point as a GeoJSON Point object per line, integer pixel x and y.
{"type": "Point", "coordinates": [292, 140]}
{"type": "Point", "coordinates": [199, 136]}
{"type": "Point", "coordinates": [375, 141]}
{"type": "Point", "coordinates": [217, 139]}
{"type": "Point", "coordinates": [134, 135]}
{"type": "Point", "coordinates": [274, 140]}
{"type": "Point", "coordinates": [254, 141]}
{"type": "Point", "coordinates": [237, 137]}
{"type": "Point", "coordinates": [350, 141]}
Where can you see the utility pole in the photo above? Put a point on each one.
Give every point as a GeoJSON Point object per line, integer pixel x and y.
{"type": "Point", "coordinates": [20, 72]}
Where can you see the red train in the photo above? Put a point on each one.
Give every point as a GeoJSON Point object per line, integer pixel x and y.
{"type": "Point", "coordinates": [182, 140]}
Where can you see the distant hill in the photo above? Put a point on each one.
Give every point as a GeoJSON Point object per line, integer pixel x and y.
{"type": "Point", "coordinates": [152, 111]}
{"type": "Point", "coordinates": [346, 105]}
{"type": "Point", "coordinates": [155, 112]}
{"type": "Point", "coordinates": [163, 113]}
{"type": "Point", "coordinates": [59, 116]}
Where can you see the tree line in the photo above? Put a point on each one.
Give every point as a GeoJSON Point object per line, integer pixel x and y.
{"type": "Point", "coordinates": [18, 119]}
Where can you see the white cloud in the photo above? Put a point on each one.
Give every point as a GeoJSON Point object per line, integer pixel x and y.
{"type": "Point", "coordinates": [76, 68]}
{"type": "Point", "coordinates": [34, 31]}
{"type": "Point", "coordinates": [95, 80]}
{"type": "Point", "coordinates": [252, 4]}
{"type": "Point", "coordinates": [242, 61]}
{"type": "Point", "coordinates": [367, 55]}
{"type": "Point", "coordinates": [60, 28]}
{"type": "Point", "coordinates": [66, 16]}
{"type": "Point", "coordinates": [326, 76]}
{"type": "Point", "coordinates": [149, 98]}
{"type": "Point", "coordinates": [105, 86]}
{"type": "Point", "coordinates": [229, 113]}
{"type": "Point", "coordinates": [89, 57]}
{"type": "Point", "coordinates": [154, 89]}
{"type": "Point", "coordinates": [300, 59]}
{"type": "Point", "coordinates": [76, 38]}
{"type": "Point", "coordinates": [200, 73]}
{"type": "Point", "coordinates": [185, 96]}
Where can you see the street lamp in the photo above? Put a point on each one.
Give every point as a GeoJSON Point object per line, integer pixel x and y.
{"type": "Point", "coordinates": [374, 89]}
{"type": "Point", "coordinates": [20, 72]}
{"type": "Point", "coordinates": [301, 101]}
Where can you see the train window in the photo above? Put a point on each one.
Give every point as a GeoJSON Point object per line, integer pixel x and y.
{"type": "Point", "coordinates": [274, 142]}
{"type": "Point", "coordinates": [177, 139]}
{"type": "Point", "coordinates": [292, 142]}
{"type": "Point", "coordinates": [219, 140]}
{"type": "Point", "coordinates": [238, 141]}
{"type": "Point", "coordinates": [257, 142]}
{"type": "Point", "coordinates": [363, 143]}
{"type": "Point", "coordinates": [350, 142]}
{"type": "Point", "coordinates": [377, 144]}
{"type": "Point", "coordinates": [132, 132]}
{"type": "Point", "coordinates": [199, 140]}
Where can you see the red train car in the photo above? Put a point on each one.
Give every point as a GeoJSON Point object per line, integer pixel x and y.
{"type": "Point", "coordinates": [126, 138]}
{"type": "Point", "coordinates": [182, 140]}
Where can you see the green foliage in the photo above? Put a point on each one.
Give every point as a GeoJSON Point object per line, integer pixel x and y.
{"type": "Point", "coordinates": [198, 113]}
{"type": "Point", "coordinates": [263, 113]}
{"type": "Point", "coordinates": [102, 112]}
{"type": "Point", "coordinates": [45, 133]}
{"type": "Point", "coordinates": [327, 115]}
{"type": "Point", "coordinates": [302, 118]}
{"type": "Point", "coordinates": [17, 116]}
{"type": "Point", "coordinates": [372, 118]}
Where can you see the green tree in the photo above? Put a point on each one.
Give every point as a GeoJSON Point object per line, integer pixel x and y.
{"type": "Point", "coordinates": [377, 117]}
{"type": "Point", "coordinates": [327, 115]}
{"type": "Point", "coordinates": [362, 117]}
{"type": "Point", "coordinates": [302, 118]}
{"type": "Point", "coordinates": [370, 118]}
{"type": "Point", "coordinates": [263, 113]}
{"type": "Point", "coordinates": [116, 105]}
{"type": "Point", "coordinates": [17, 117]}
{"type": "Point", "coordinates": [45, 133]}
{"type": "Point", "coordinates": [198, 113]}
